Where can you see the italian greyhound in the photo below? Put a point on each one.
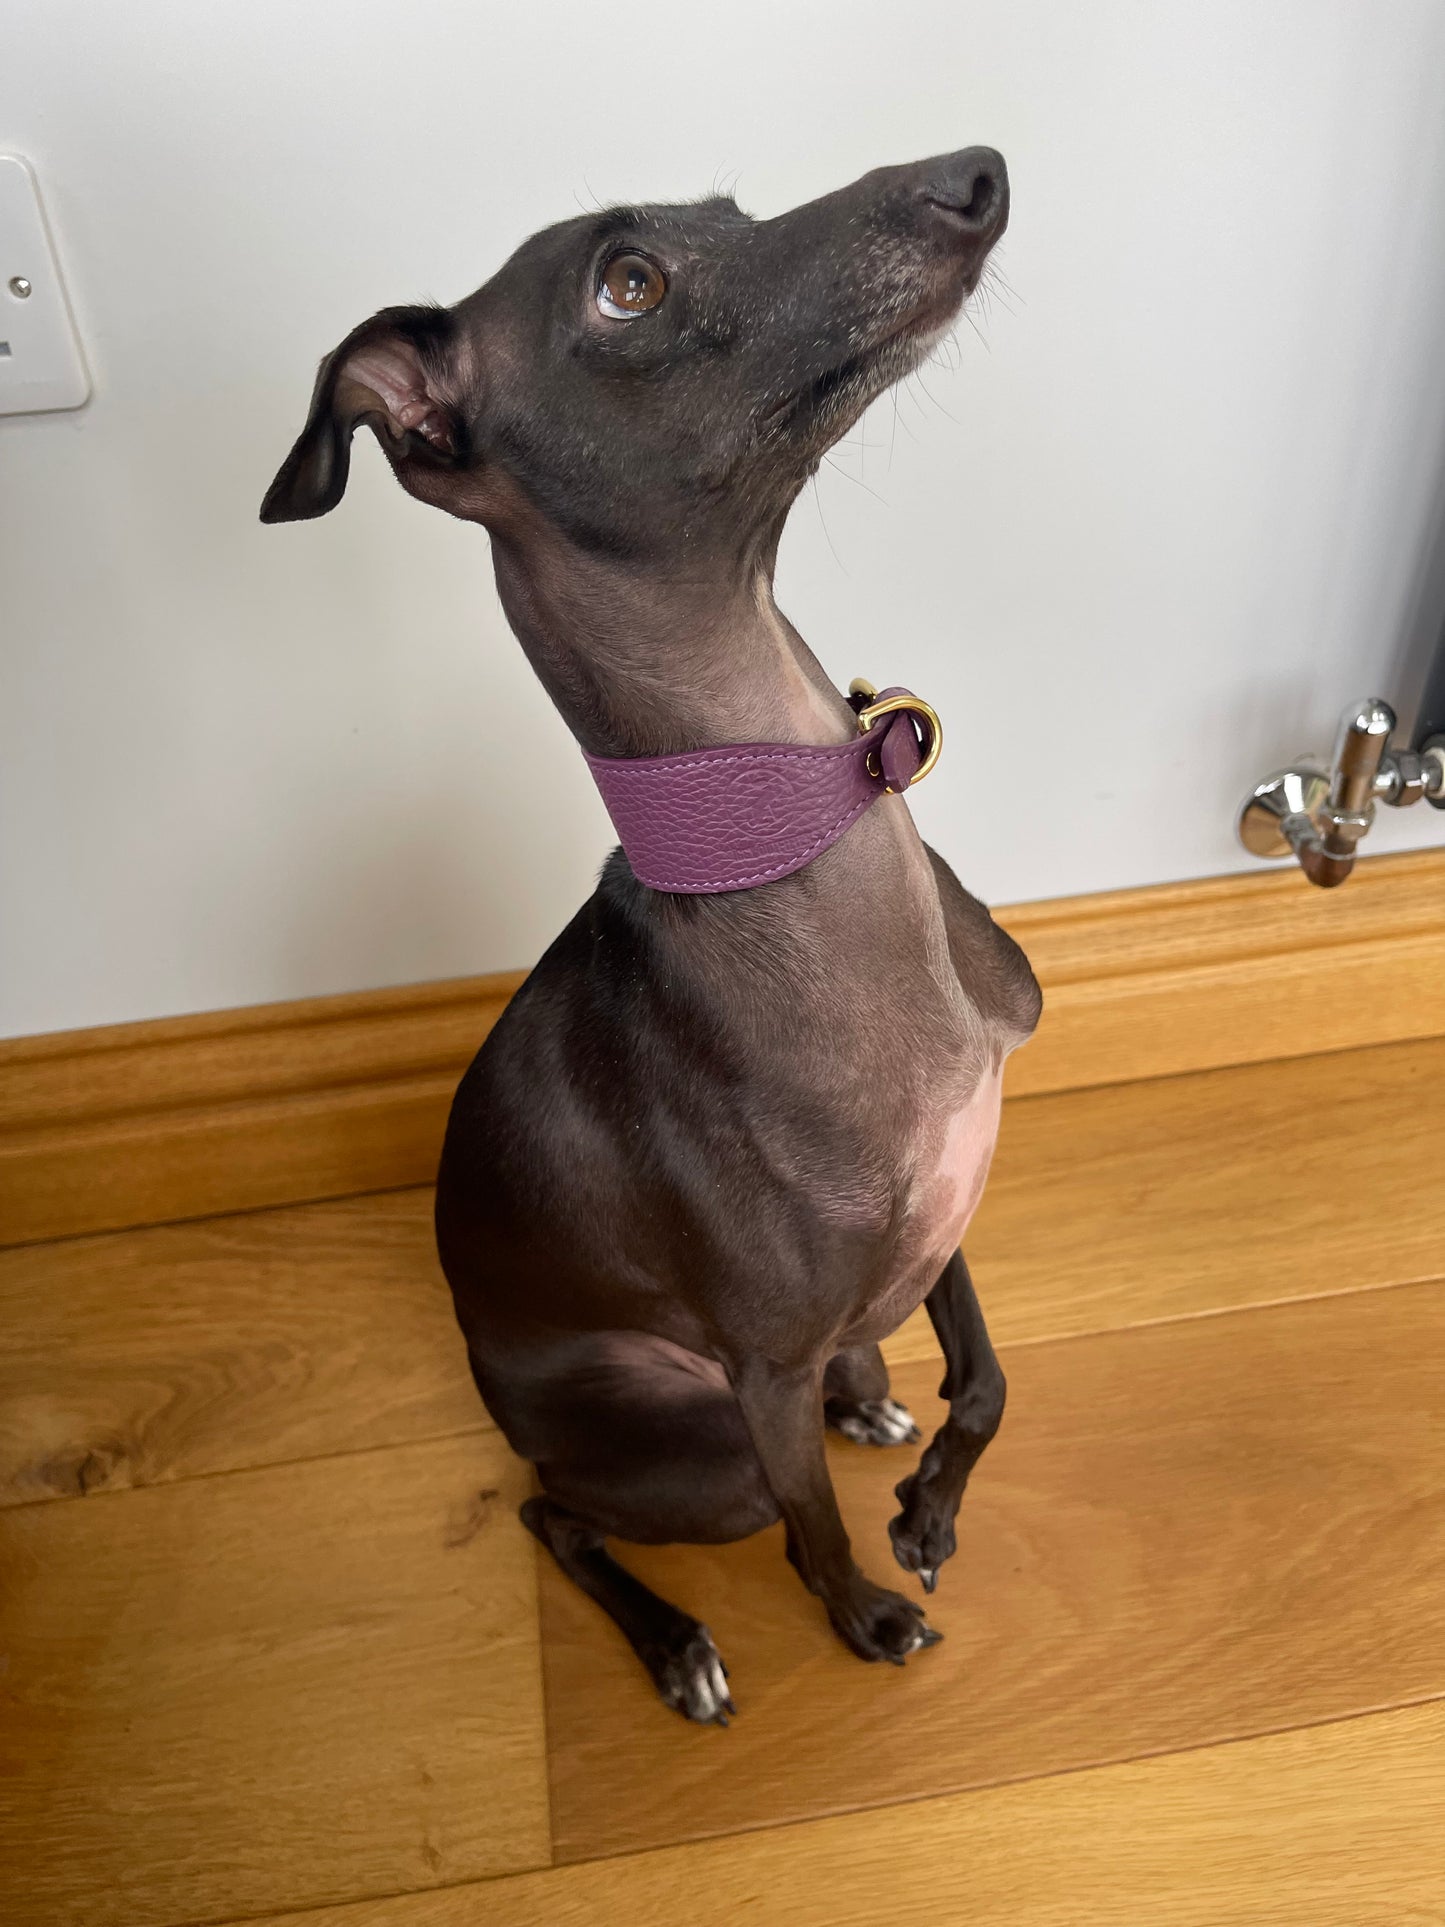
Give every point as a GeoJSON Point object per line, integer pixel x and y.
{"type": "Point", "coordinates": [719, 1143]}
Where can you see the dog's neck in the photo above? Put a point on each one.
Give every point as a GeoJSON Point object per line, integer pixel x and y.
{"type": "Point", "coordinates": [649, 663]}
{"type": "Point", "coordinates": [658, 664]}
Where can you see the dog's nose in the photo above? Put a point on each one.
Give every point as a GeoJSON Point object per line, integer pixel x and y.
{"type": "Point", "coordinates": [970, 189]}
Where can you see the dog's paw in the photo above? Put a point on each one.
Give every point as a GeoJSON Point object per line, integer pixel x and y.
{"type": "Point", "coordinates": [693, 1680]}
{"type": "Point", "coordinates": [873, 1421]}
{"type": "Point", "coordinates": [922, 1533]}
{"type": "Point", "coordinates": [878, 1624]}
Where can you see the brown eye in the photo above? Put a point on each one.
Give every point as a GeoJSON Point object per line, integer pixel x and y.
{"type": "Point", "coordinates": [630, 284]}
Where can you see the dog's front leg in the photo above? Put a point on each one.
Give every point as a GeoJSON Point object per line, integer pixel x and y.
{"type": "Point", "coordinates": [783, 1409]}
{"type": "Point", "coordinates": [973, 1384]}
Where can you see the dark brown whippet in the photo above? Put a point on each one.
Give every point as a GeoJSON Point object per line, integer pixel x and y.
{"type": "Point", "coordinates": [718, 1145]}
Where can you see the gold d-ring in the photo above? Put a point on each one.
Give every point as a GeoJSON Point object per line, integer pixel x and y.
{"type": "Point", "coordinates": [887, 706]}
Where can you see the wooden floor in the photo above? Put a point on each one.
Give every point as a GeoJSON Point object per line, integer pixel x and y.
{"type": "Point", "coordinates": [273, 1646]}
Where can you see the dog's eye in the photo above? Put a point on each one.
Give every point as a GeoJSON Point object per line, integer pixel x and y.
{"type": "Point", "coordinates": [630, 284]}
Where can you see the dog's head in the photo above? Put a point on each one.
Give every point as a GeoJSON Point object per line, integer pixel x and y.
{"type": "Point", "coordinates": [652, 377]}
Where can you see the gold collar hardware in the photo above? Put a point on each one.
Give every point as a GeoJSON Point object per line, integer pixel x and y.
{"type": "Point", "coordinates": [876, 707]}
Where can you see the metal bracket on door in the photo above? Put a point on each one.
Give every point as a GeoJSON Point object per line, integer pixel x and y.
{"type": "Point", "coordinates": [1319, 814]}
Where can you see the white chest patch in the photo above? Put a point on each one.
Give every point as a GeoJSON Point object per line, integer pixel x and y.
{"type": "Point", "coordinates": [947, 1183]}
{"type": "Point", "coordinates": [946, 1194]}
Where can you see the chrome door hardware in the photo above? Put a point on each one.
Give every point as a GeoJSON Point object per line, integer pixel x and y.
{"type": "Point", "coordinates": [1319, 814]}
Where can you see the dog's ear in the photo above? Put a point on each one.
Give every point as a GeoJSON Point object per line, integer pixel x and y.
{"type": "Point", "coordinates": [396, 374]}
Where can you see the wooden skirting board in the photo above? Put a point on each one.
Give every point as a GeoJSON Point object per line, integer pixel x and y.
{"type": "Point", "coordinates": [182, 1117]}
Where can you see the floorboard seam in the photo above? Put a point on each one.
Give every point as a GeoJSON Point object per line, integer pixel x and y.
{"type": "Point", "coordinates": [1018, 1779]}
{"type": "Point", "coordinates": [773, 1826]}
{"type": "Point", "coordinates": [1213, 1311]}
{"type": "Point", "coordinates": [210, 1217]}
{"type": "Point", "coordinates": [246, 1471]}
{"type": "Point", "coordinates": [469, 1431]}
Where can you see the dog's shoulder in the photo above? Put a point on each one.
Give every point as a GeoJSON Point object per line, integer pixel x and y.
{"type": "Point", "coordinates": [990, 965]}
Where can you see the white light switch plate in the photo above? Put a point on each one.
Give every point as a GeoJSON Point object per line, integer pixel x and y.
{"type": "Point", "coordinates": [41, 365]}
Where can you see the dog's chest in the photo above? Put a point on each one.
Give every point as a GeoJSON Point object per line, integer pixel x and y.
{"type": "Point", "coordinates": [949, 1169]}
{"type": "Point", "coordinates": [946, 1196]}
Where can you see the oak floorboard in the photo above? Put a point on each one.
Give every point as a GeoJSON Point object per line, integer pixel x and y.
{"type": "Point", "coordinates": [138, 1356]}
{"type": "Point", "coordinates": [1109, 1207]}
{"type": "Point", "coordinates": [1330, 1826]}
{"type": "Point", "coordinates": [1185, 1533]}
{"type": "Point", "coordinates": [272, 1688]}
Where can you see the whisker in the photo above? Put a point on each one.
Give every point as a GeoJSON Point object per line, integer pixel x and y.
{"type": "Point", "coordinates": [907, 389]}
{"type": "Point", "coordinates": [977, 330]}
{"type": "Point", "coordinates": [997, 284]}
{"type": "Point", "coordinates": [818, 500]}
{"type": "Point", "coordinates": [934, 399]}
{"type": "Point", "coordinates": [856, 480]}
{"type": "Point", "coordinates": [947, 349]}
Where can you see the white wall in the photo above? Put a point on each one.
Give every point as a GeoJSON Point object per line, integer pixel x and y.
{"type": "Point", "coordinates": [1140, 542]}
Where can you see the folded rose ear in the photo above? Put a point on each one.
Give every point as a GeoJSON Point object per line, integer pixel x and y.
{"type": "Point", "coordinates": [396, 374]}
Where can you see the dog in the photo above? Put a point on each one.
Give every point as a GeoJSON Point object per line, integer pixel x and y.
{"type": "Point", "coordinates": [720, 1143]}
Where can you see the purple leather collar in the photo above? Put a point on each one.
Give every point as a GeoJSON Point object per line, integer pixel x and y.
{"type": "Point", "coordinates": [741, 814]}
